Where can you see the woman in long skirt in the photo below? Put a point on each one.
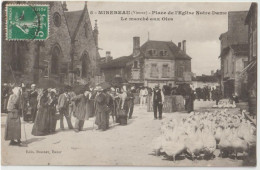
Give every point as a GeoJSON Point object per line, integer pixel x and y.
{"type": "Point", "coordinates": [13, 122]}
{"type": "Point", "coordinates": [101, 110]}
{"type": "Point", "coordinates": [41, 126]}
{"type": "Point", "coordinates": [52, 110]}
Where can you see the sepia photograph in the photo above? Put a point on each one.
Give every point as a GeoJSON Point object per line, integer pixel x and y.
{"type": "Point", "coordinates": [146, 84]}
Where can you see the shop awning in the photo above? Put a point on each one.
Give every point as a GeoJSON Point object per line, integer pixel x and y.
{"type": "Point", "coordinates": [248, 68]}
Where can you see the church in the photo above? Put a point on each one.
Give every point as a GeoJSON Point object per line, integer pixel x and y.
{"type": "Point", "coordinates": [69, 55]}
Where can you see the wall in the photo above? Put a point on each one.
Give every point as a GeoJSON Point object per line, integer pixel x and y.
{"type": "Point", "coordinates": [59, 36]}
{"type": "Point", "coordinates": [160, 63]}
{"type": "Point", "coordinates": [28, 50]}
{"type": "Point", "coordinates": [110, 73]}
{"type": "Point", "coordinates": [238, 31]}
{"type": "Point", "coordinates": [229, 65]}
{"type": "Point", "coordinates": [86, 44]}
{"type": "Point", "coordinates": [186, 64]}
{"type": "Point", "coordinates": [240, 81]}
{"type": "Point", "coordinates": [200, 84]}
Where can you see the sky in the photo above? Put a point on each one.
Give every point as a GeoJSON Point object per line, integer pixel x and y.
{"type": "Point", "coordinates": [201, 32]}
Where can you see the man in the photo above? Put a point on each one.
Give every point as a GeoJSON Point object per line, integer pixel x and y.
{"type": "Point", "coordinates": [217, 95]}
{"type": "Point", "coordinates": [131, 102]}
{"type": "Point", "coordinates": [63, 108]}
{"type": "Point", "coordinates": [157, 100]}
{"type": "Point", "coordinates": [72, 105]}
{"type": "Point", "coordinates": [142, 95]}
{"type": "Point", "coordinates": [33, 101]}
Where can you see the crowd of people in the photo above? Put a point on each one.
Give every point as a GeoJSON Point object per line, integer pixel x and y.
{"type": "Point", "coordinates": [207, 93]}
{"type": "Point", "coordinates": [43, 107]}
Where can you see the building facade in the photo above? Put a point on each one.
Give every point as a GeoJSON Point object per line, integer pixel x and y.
{"type": "Point", "coordinates": [53, 58]}
{"type": "Point", "coordinates": [234, 55]}
{"type": "Point", "coordinates": [251, 70]}
{"type": "Point", "coordinates": [202, 81]}
{"type": "Point", "coordinates": [155, 62]}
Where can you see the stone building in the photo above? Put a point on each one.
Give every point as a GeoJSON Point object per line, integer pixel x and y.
{"type": "Point", "coordinates": [234, 55]}
{"type": "Point", "coordinates": [251, 69]}
{"type": "Point", "coordinates": [29, 61]}
{"type": "Point", "coordinates": [84, 45]}
{"type": "Point", "coordinates": [155, 62]}
{"type": "Point", "coordinates": [211, 81]}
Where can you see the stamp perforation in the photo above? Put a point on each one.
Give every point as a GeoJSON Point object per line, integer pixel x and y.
{"type": "Point", "coordinates": [29, 4]}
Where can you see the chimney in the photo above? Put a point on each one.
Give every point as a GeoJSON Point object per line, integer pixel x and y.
{"type": "Point", "coordinates": [179, 45]}
{"type": "Point", "coordinates": [184, 46]}
{"type": "Point", "coordinates": [212, 72]}
{"type": "Point", "coordinates": [64, 6]}
{"type": "Point", "coordinates": [136, 46]}
{"type": "Point", "coordinates": [108, 54]}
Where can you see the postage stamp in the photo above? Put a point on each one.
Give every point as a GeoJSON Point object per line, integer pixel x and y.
{"type": "Point", "coordinates": [27, 22]}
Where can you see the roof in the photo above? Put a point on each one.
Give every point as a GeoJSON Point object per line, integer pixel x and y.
{"type": "Point", "coordinates": [239, 49]}
{"type": "Point", "coordinates": [252, 9]}
{"type": "Point", "coordinates": [118, 62]}
{"type": "Point", "coordinates": [205, 78]}
{"type": "Point", "coordinates": [173, 53]}
{"type": "Point", "coordinates": [72, 18]}
{"type": "Point", "coordinates": [173, 50]}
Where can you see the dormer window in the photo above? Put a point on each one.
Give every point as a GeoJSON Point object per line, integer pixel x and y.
{"type": "Point", "coordinates": [152, 52]}
{"type": "Point", "coordinates": [163, 53]}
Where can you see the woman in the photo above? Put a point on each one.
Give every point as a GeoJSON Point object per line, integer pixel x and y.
{"type": "Point", "coordinates": [13, 122]}
{"type": "Point", "coordinates": [81, 113]}
{"type": "Point", "coordinates": [41, 126]}
{"type": "Point", "coordinates": [52, 109]}
{"type": "Point", "coordinates": [123, 107]}
{"type": "Point", "coordinates": [101, 110]}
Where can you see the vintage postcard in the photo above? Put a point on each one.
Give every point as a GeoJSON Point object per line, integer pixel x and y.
{"type": "Point", "coordinates": [163, 84]}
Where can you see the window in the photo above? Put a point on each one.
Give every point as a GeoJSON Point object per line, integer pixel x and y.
{"type": "Point", "coordinates": [135, 64]}
{"type": "Point", "coordinates": [180, 71]}
{"type": "Point", "coordinates": [163, 53]}
{"type": "Point", "coordinates": [165, 71]}
{"type": "Point", "coordinates": [85, 65]}
{"type": "Point", "coordinates": [57, 19]}
{"type": "Point", "coordinates": [154, 71]}
{"type": "Point", "coordinates": [152, 52]}
{"type": "Point", "coordinates": [55, 60]}
{"type": "Point", "coordinates": [86, 30]}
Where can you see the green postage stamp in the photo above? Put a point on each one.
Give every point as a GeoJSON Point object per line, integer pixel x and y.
{"type": "Point", "coordinates": [27, 22]}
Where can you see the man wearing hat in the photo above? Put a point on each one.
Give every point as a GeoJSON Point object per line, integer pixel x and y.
{"type": "Point", "coordinates": [33, 101]}
{"type": "Point", "coordinates": [157, 100]}
{"type": "Point", "coordinates": [63, 108]}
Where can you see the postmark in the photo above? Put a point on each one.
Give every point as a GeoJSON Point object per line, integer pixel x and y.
{"type": "Point", "coordinates": [27, 22]}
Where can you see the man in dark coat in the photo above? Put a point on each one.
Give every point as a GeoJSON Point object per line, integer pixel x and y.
{"type": "Point", "coordinates": [189, 104]}
{"type": "Point", "coordinates": [101, 110]}
{"type": "Point", "coordinates": [33, 101]}
{"type": "Point", "coordinates": [157, 100]}
{"type": "Point", "coordinates": [131, 104]}
{"type": "Point", "coordinates": [217, 95]}
{"type": "Point", "coordinates": [63, 108]}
